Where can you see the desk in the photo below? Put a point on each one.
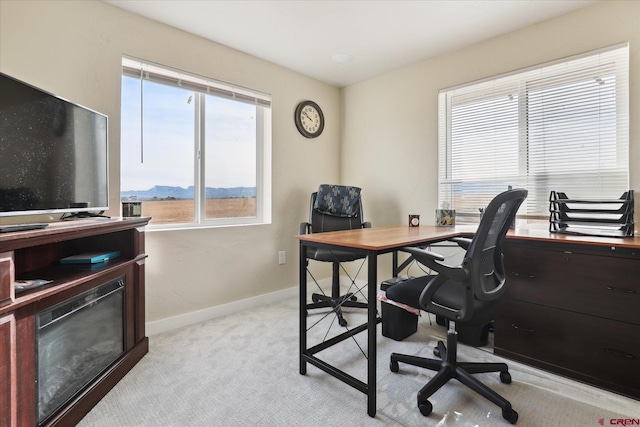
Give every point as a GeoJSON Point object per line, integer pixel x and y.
{"type": "Point", "coordinates": [380, 240]}
{"type": "Point", "coordinates": [370, 242]}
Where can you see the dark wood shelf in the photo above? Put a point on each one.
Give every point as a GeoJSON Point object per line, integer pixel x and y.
{"type": "Point", "coordinates": [63, 278]}
{"type": "Point", "coordinates": [68, 230]}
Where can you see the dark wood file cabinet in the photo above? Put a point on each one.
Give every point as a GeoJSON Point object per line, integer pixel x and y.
{"type": "Point", "coordinates": [573, 309]}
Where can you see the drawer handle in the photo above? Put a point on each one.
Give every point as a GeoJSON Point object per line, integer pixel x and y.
{"type": "Point", "coordinates": [514, 326]}
{"type": "Point", "coordinates": [617, 289]}
{"type": "Point", "coordinates": [527, 275]}
{"type": "Point", "coordinates": [620, 353]}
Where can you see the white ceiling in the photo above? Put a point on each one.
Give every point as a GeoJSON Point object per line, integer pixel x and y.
{"type": "Point", "coordinates": [380, 36]}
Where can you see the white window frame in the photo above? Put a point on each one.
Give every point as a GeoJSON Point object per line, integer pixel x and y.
{"type": "Point", "coordinates": [202, 86]}
{"type": "Point", "coordinates": [536, 206]}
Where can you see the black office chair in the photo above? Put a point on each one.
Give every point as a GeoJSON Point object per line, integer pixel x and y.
{"type": "Point", "coordinates": [467, 294]}
{"type": "Point", "coordinates": [333, 208]}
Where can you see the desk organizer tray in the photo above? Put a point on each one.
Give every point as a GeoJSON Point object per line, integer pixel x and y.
{"type": "Point", "coordinates": [592, 217]}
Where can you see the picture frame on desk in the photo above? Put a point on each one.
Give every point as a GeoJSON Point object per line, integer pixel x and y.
{"type": "Point", "coordinates": [445, 217]}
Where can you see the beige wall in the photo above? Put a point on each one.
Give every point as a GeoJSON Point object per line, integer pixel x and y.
{"type": "Point", "coordinates": [74, 49]}
{"type": "Point", "coordinates": [394, 117]}
{"type": "Point", "coordinates": [389, 127]}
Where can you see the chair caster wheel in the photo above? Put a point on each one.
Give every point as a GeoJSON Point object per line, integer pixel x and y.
{"type": "Point", "coordinates": [342, 322]}
{"type": "Point", "coordinates": [315, 298]}
{"type": "Point", "coordinates": [426, 408]}
{"type": "Point", "coordinates": [505, 378]}
{"type": "Point", "coordinates": [394, 366]}
{"type": "Point", "coordinates": [436, 353]}
{"type": "Point", "coordinates": [510, 415]}
{"type": "Point", "coordinates": [353, 298]}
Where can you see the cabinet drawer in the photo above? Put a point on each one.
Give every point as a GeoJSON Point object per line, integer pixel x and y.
{"type": "Point", "coordinates": [604, 286]}
{"type": "Point", "coordinates": [601, 351]}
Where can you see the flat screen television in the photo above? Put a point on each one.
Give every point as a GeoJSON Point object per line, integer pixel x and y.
{"type": "Point", "coordinates": [53, 153]}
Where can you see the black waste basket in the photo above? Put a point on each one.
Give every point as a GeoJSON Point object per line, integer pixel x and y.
{"type": "Point", "coordinates": [397, 323]}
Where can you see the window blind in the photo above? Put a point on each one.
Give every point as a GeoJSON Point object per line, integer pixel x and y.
{"type": "Point", "coordinates": [560, 126]}
{"type": "Point", "coordinates": [146, 70]}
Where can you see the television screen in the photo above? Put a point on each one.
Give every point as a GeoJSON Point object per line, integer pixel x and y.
{"type": "Point", "coordinates": [53, 153]}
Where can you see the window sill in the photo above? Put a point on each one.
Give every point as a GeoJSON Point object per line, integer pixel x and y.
{"type": "Point", "coordinates": [182, 227]}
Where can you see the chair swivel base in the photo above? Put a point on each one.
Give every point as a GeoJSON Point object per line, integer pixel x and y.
{"type": "Point", "coordinates": [336, 304]}
{"type": "Point", "coordinates": [448, 368]}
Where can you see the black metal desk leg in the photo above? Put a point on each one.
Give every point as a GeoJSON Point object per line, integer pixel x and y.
{"type": "Point", "coordinates": [394, 264]}
{"type": "Point", "coordinates": [372, 277]}
{"type": "Point", "coordinates": [303, 306]}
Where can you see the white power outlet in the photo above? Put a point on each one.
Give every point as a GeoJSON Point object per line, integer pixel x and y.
{"type": "Point", "coordinates": [282, 257]}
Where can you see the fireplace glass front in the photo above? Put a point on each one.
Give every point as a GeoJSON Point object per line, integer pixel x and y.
{"type": "Point", "coordinates": [76, 341]}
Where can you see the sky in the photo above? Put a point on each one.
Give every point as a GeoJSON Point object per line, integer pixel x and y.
{"type": "Point", "coordinates": [167, 154]}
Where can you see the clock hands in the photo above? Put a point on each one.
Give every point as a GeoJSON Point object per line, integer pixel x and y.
{"type": "Point", "coordinates": [310, 119]}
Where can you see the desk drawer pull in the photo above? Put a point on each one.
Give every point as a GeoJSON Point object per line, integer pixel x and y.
{"type": "Point", "coordinates": [514, 326]}
{"type": "Point", "coordinates": [526, 275]}
{"type": "Point", "coordinates": [617, 289]}
{"type": "Point", "coordinates": [615, 352]}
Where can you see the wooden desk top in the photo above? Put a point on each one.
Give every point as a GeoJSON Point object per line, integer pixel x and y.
{"type": "Point", "coordinates": [544, 235]}
{"type": "Point", "coordinates": [385, 238]}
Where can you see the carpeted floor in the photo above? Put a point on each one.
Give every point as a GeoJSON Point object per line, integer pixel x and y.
{"type": "Point", "coordinates": [242, 370]}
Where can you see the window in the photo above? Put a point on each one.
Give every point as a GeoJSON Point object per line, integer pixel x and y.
{"type": "Point", "coordinates": [194, 151]}
{"type": "Point", "coordinates": [560, 126]}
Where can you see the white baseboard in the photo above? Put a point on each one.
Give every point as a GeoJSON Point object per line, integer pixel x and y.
{"type": "Point", "coordinates": [187, 319]}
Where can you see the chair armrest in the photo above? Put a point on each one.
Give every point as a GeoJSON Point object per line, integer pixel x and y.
{"type": "Point", "coordinates": [429, 259]}
{"type": "Point", "coordinates": [427, 303]}
{"type": "Point", "coordinates": [463, 242]}
{"type": "Point", "coordinates": [305, 228]}
{"type": "Point", "coordinates": [458, 274]}
{"type": "Point", "coordinates": [423, 256]}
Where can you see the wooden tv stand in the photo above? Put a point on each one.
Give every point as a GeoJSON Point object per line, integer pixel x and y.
{"type": "Point", "coordinates": [36, 254]}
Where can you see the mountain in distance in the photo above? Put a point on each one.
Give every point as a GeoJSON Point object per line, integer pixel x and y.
{"type": "Point", "coordinates": [160, 192]}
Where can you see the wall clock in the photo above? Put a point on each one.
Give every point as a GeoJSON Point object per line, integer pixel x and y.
{"type": "Point", "coordinates": [309, 119]}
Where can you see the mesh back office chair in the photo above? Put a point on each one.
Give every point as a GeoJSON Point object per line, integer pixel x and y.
{"type": "Point", "coordinates": [467, 294]}
{"type": "Point", "coordinates": [333, 208]}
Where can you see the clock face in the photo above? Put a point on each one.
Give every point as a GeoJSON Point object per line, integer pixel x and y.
{"type": "Point", "coordinates": [309, 119]}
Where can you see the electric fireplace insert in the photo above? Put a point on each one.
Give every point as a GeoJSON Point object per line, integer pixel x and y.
{"type": "Point", "coordinates": [77, 340]}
